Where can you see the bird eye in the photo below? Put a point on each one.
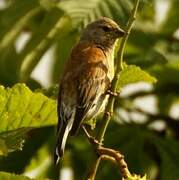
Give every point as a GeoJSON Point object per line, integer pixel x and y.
{"type": "Point", "coordinates": [106, 29]}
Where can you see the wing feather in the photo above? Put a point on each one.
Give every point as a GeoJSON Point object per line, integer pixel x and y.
{"type": "Point", "coordinates": [91, 86]}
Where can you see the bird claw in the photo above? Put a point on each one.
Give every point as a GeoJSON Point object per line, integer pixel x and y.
{"type": "Point", "coordinates": [94, 141]}
{"type": "Point", "coordinates": [115, 94]}
{"type": "Point", "coordinates": [91, 139]}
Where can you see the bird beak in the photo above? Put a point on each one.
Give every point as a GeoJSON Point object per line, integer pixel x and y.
{"type": "Point", "coordinates": [119, 32]}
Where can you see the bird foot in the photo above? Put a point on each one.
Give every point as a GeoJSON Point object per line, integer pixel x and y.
{"type": "Point", "coordinates": [115, 94]}
{"type": "Point", "coordinates": [91, 139]}
{"type": "Point", "coordinates": [94, 141]}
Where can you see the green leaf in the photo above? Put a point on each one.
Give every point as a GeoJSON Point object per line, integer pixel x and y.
{"type": "Point", "coordinates": [83, 12]}
{"type": "Point", "coordinates": [20, 107]}
{"type": "Point", "coordinates": [132, 74]}
{"type": "Point", "coordinates": [12, 34]}
{"type": "Point", "coordinates": [168, 152]}
{"type": "Point", "coordinates": [165, 72]}
{"type": "Point", "coordinates": [36, 48]}
{"type": "Point", "coordinates": [62, 52]}
{"type": "Point", "coordinates": [130, 139]}
{"type": "Point", "coordinates": [5, 175]}
{"type": "Point", "coordinates": [170, 24]}
{"type": "Point", "coordinates": [12, 140]}
{"type": "Point", "coordinates": [136, 177]}
{"type": "Point", "coordinates": [8, 66]}
{"type": "Point", "coordinates": [21, 110]}
{"type": "Point", "coordinates": [51, 92]}
{"type": "Point", "coordinates": [34, 140]}
{"type": "Point", "coordinates": [12, 16]}
{"type": "Point", "coordinates": [40, 163]}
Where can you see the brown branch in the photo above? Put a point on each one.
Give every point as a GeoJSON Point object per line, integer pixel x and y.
{"type": "Point", "coordinates": [114, 156]}
{"type": "Point", "coordinates": [107, 154]}
{"type": "Point", "coordinates": [109, 158]}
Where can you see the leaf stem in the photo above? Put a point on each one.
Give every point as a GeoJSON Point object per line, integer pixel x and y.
{"type": "Point", "coordinates": [110, 106]}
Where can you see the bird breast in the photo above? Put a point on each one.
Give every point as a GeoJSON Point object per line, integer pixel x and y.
{"type": "Point", "coordinates": [110, 64]}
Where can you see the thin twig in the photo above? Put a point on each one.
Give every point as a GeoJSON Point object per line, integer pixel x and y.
{"type": "Point", "coordinates": [110, 105]}
{"type": "Point", "coordinates": [112, 155]}
{"type": "Point", "coordinates": [109, 158]}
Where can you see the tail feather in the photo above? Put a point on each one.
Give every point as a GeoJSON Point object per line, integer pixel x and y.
{"type": "Point", "coordinates": [62, 138]}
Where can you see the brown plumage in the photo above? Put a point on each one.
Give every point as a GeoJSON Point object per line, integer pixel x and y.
{"type": "Point", "coordinates": [86, 78]}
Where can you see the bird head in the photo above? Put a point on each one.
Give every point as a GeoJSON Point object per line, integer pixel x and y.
{"type": "Point", "coordinates": [103, 31]}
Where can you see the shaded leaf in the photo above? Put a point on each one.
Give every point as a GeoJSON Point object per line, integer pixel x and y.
{"type": "Point", "coordinates": [83, 12]}
{"type": "Point", "coordinates": [62, 52]}
{"type": "Point", "coordinates": [165, 73]}
{"type": "Point", "coordinates": [32, 54]}
{"type": "Point", "coordinates": [51, 92]}
{"type": "Point", "coordinates": [12, 34]}
{"type": "Point", "coordinates": [128, 139]}
{"type": "Point", "coordinates": [168, 152]}
{"type": "Point", "coordinates": [171, 22]}
{"type": "Point", "coordinates": [41, 160]}
{"type": "Point", "coordinates": [12, 140]}
{"type": "Point", "coordinates": [5, 175]}
{"type": "Point", "coordinates": [34, 140]}
{"type": "Point", "coordinates": [11, 15]}
{"type": "Point", "coordinates": [8, 66]}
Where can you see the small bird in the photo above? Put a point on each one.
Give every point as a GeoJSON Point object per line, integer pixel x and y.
{"type": "Point", "coordinates": [86, 78]}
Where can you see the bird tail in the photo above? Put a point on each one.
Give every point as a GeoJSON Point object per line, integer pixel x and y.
{"type": "Point", "coordinates": [62, 138]}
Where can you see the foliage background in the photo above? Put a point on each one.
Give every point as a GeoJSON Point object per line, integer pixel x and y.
{"type": "Point", "coordinates": [147, 134]}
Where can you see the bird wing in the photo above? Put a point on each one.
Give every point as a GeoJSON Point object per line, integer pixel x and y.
{"type": "Point", "coordinates": [92, 83]}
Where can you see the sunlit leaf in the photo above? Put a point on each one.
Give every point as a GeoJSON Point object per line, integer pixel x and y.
{"type": "Point", "coordinates": [136, 177]}
{"type": "Point", "coordinates": [22, 110]}
{"type": "Point", "coordinates": [132, 74]}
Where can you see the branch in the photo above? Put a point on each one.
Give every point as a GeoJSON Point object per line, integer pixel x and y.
{"type": "Point", "coordinates": [116, 157]}
{"type": "Point", "coordinates": [110, 106]}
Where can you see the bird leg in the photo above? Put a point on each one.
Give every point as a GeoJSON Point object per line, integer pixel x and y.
{"type": "Point", "coordinates": [91, 139]}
